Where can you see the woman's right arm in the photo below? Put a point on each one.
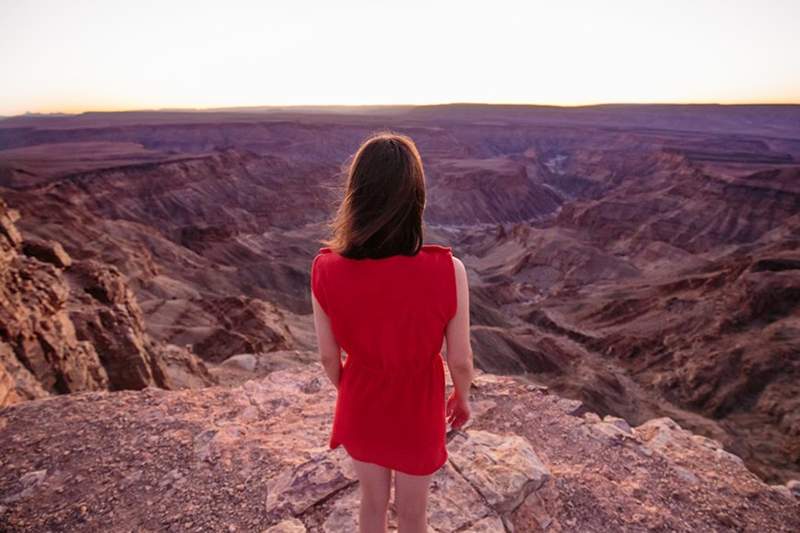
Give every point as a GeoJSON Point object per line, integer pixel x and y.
{"type": "Point", "coordinates": [459, 350]}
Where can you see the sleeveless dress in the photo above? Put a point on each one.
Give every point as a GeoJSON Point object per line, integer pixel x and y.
{"type": "Point", "coordinates": [389, 316]}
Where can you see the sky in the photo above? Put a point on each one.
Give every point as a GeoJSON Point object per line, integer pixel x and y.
{"type": "Point", "coordinates": [79, 55]}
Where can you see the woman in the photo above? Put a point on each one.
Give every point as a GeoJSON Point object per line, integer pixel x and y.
{"type": "Point", "coordinates": [390, 302]}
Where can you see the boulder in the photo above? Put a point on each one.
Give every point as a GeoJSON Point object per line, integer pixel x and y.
{"type": "Point", "coordinates": [505, 468]}
{"type": "Point", "coordinates": [292, 525]}
{"type": "Point", "coordinates": [48, 251]}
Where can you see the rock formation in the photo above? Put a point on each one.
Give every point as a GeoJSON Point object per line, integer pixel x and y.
{"type": "Point", "coordinates": [69, 326]}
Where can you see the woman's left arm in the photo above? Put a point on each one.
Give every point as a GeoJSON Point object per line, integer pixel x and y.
{"type": "Point", "coordinates": [329, 351]}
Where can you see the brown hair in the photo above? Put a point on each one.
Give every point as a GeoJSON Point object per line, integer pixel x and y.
{"type": "Point", "coordinates": [381, 212]}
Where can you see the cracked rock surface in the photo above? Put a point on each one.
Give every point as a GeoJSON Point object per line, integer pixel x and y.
{"type": "Point", "coordinates": [255, 458]}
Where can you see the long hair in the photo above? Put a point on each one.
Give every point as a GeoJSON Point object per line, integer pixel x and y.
{"type": "Point", "coordinates": [381, 212]}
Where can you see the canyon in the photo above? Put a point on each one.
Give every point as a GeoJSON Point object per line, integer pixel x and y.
{"type": "Point", "coordinates": [642, 261]}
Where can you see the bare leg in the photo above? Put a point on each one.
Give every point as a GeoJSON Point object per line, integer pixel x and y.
{"type": "Point", "coordinates": [376, 484]}
{"type": "Point", "coordinates": [411, 500]}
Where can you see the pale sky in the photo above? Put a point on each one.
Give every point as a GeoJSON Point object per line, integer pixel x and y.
{"type": "Point", "coordinates": [77, 55]}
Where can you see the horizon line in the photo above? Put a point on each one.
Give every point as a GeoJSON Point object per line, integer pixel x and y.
{"type": "Point", "coordinates": [397, 105]}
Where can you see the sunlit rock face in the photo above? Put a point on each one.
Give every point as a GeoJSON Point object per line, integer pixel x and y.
{"type": "Point", "coordinates": [254, 457]}
{"type": "Point", "coordinates": [70, 326]}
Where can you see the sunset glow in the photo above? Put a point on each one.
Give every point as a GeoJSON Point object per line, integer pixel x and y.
{"type": "Point", "coordinates": [109, 55]}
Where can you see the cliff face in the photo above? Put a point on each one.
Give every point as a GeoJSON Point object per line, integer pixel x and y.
{"type": "Point", "coordinates": [202, 241]}
{"type": "Point", "coordinates": [69, 326]}
{"type": "Point", "coordinates": [254, 457]}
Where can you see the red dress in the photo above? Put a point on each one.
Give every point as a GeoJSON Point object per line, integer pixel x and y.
{"type": "Point", "coordinates": [389, 316]}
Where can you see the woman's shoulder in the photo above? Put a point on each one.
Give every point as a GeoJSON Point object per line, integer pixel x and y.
{"type": "Point", "coordinates": [430, 247]}
{"type": "Point", "coordinates": [437, 248]}
{"type": "Point", "coordinates": [320, 257]}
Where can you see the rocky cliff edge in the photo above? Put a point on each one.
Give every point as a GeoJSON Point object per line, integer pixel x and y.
{"type": "Point", "coordinates": [255, 458]}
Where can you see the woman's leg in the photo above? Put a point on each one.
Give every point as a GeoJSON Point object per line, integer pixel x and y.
{"type": "Point", "coordinates": [376, 484]}
{"type": "Point", "coordinates": [411, 501]}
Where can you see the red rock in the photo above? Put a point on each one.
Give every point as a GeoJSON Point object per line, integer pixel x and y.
{"type": "Point", "coordinates": [47, 251]}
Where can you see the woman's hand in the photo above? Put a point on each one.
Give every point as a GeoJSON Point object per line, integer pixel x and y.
{"type": "Point", "coordinates": [457, 411]}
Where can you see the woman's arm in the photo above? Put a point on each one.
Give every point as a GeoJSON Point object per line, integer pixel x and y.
{"type": "Point", "coordinates": [329, 351]}
{"type": "Point", "coordinates": [459, 348]}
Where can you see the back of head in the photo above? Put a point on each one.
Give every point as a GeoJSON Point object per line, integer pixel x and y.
{"type": "Point", "coordinates": [381, 212]}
